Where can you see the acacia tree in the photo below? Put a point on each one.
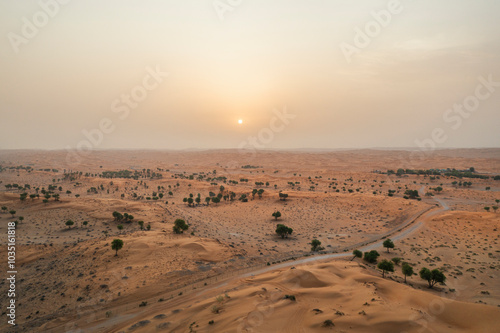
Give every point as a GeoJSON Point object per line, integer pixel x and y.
{"type": "Point", "coordinates": [141, 224]}
{"type": "Point", "coordinates": [283, 196]}
{"type": "Point", "coordinates": [179, 226]}
{"type": "Point", "coordinates": [118, 216]}
{"type": "Point", "coordinates": [371, 256]}
{"type": "Point", "coordinates": [283, 230]}
{"type": "Point", "coordinates": [207, 200]}
{"type": "Point", "coordinates": [12, 212]}
{"type": "Point", "coordinates": [116, 245]}
{"type": "Point", "coordinates": [407, 270]}
{"type": "Point", "coordinates": [388, 244]}
{"type": "Point", "coordinates": [357, 254]}
{"type": "Point", "coordinates": [276, 215]}
{"type": "Point", "coordinates": [432, 277]}
{"type": "Point", "coordinates": [386, 266]}
{"type": "Point", "coordinates": [316, 245]}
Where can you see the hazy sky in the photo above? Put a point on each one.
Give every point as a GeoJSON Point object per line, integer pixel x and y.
{"type": "Point", "coordinates": [352, 73]}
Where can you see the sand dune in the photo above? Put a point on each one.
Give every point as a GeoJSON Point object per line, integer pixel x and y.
{"type": "Point", "coordinates": [359, 300]}
{"type": "Point", "coordinates": [72, 280]}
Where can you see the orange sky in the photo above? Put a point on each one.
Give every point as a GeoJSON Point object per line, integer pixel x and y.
{"type": "Point", "coordinates": [349, 74]}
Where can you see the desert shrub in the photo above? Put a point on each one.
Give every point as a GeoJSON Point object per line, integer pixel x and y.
{"type": "Point", "coordinates": [328, 323]}
{"type": "Point", "coordinates": [179, 226]}
{"type": "Point", "coordinates": [371, 256]}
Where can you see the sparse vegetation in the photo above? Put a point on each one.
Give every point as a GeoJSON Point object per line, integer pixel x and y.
{"type": "Point", "coordinates": [316, 245]}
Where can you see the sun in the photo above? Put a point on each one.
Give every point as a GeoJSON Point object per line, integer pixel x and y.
{"type": "Point", "coordinates": [240, 121]}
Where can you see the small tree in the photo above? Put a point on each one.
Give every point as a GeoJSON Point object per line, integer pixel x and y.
{"type": "Point", "coordinates": [495, 208]}
{"type": "Point", "coordinates": [21, 218]}
{"type": "Point", "coordinates": [357, 254]}
{"type": "Point", "coordinates": [432, 277]}
{"type": "Point", "coordinates": [316, 245]}
{"type": "Point", "coordinates": [215, 200]}
{"type": "Point", "coordinates": [117, 216]}
{"type": "Point", "coordinates": [371, 256]}
{"type": "Point", "coordinates": [207, 200]}
{"type": "Point", "coordinates": [276, 215]}
{"type": "Point", "coordinates": [179, 226]}
{"type": "Point", "coordinates": [120, 227]}
{"type": "Point", "coordinates": [283, 230]}
{"type": "Point", "coordinates": [396, 260]}
{"type": "Point", "coordinates": [407, 270]}
{"type": "Point", "coordinates": [386, 265]}
{"type": "Point", "coordinates": [85, 223]}
{"type": "Point", "coordinates": [487, 209]}
{"type": "Point", "coordinates": [141, 224]}
{"type": "Point", "coordinates": [4, 209]}
{"type": "Point", "coordinates": [283, 196]}
{"type": "Point", "coordinates": [388, 244]}
{"type": "Point", "coordinates": [69, 223]}
{"type": "Point", "coordinates": [12, 212]}
{"type": "Point", "coordinates": [116, 245]}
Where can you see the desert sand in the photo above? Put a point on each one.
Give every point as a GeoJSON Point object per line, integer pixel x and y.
{"type": "Point", "coordinates": [70, 279]}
